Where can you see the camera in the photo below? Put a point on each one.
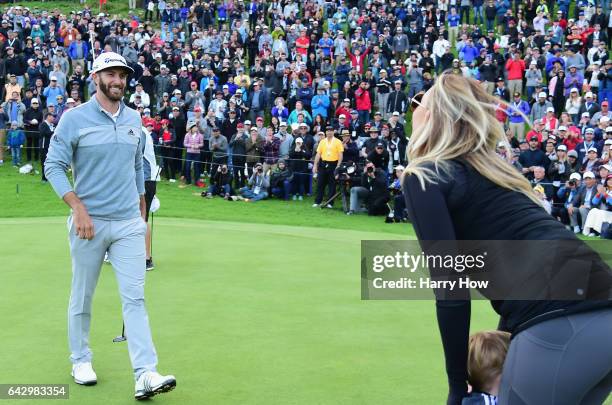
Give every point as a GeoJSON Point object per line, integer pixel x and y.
{"type": "Point", "coordinates": [370, 169]}
{"type": "Point", "coordinates": [572, 182]}
{"type": "Point", "coordinates": [260, 170]}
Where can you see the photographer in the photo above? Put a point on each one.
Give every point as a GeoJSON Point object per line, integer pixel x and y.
{"type": "Point", "coordinates": [258, 185]}
{"type": "Point", "coordinates": [220, 183]}
{"type": "Point", "coordinates": [400, 213]}
{"type": "Point", "coordinates": [373, 191]}
{"type": "Point", "coordinates": [559, 170]}
{"type": "Point", "coordinates": [280, 180]}
{"type": "Point", "coordinates": [379, 157]}
{"type": "Point", "coordinates": [239, 155]}
{"type": "Point", "coordinates": [351, 150]}
{"type": "Point", "coordinates": [565, 211]}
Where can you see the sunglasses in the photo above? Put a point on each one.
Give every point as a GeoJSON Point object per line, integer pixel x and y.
{"type": "Point", "coordinates": [416, 101]}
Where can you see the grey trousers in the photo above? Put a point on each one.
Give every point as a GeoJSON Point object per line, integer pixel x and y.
{"type": "Point", "coordinates": [358, 195]}
{"type": "Point", "coordinates": [124, 241]}
{"type": "Point", "coordinates": [584, 213]}
{"type": "Point", "coordinates": [562, 361]}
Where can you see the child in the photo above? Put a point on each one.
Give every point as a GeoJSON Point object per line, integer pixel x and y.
{"type": "Point", "coordinates": [486, 355]}
{"type": "Point", "coordinates": [15, 140]}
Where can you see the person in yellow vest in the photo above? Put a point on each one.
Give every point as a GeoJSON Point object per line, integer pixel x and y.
{"type": "Point", "coordinates": [328, 157]}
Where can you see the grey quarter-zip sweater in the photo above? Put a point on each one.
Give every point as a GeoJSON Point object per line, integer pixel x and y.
{"type": "Point", "coordinates": [105, 154]}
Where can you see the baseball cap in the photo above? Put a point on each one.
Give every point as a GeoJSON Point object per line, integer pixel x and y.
{"type": "Point", "coordinates": [604, 102]}
{"type": "Point", "coordinates": [588, 175]}
{"type": "Point", "coordinates": [240, 125]}
{"type": "Point", "coordinates": [542, 94]}
{"type": "Point", "coordinates": [380, 145]}
{"type": "Point", "coordinates": [70, 100]}
{"type": "Point", "coordinates": [589, 94]}
{"type": "Point", "coordinates": [572, 153]}
{"type": "Point", "coordinates": [550, 109]}
{"type": "Point", "coordinates": [354, 112]}
{"type": "Point", "coordinates": [562, 147]}
{"type": "Point", "coordinates": [396, 113]}
{"type": "Point", "coordinates": [562, 128]}
{"type": "Point", "coordinates": [247, 122]}
{"type": "Point", "coordinates": [342, 116]}
{"type": "Point", "coordinates": [533, 138]}
{"type": "Point", "coordinates": [108, 60]}
{"type": "Point", "coordinates": [574, 90]}
{"type": "Point", "coordinates": [575, 176]}
{"type": "Point", "coordinates": [197, 109]}
{"type": "Point", "coordinates": [347, 100]}
{"type": "Point", "coordinates": [592, 149]}
{"type": "Point", "coordinates": [607, 166]}
{"type": "Point", "coordinates": [608, 142]}
{"type": "Point", "coordinates": [589, 131]}
{"type": "Point", "coordinates": [586, 114]}
{"type": "Point", "coordinates": [282, 124]}
{"type": "Point", "coordinates": [34, 101]}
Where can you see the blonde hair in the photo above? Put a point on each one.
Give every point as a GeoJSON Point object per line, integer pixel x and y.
{"type": "Point", "coordinates": [486, 356]}
{"type": "Point", "coordinates": [462, 124]}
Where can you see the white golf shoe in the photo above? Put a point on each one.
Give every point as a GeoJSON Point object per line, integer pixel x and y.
{"type": "Point", "coordinates": [151, 383]}
{"type": "Point", "coordinates": [84, 374]}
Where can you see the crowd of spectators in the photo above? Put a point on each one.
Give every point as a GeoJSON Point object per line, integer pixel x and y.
{"type": "Point", "coordinates": [258, 98]}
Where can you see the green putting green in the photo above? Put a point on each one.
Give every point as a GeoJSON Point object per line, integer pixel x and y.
{"type": "Point", "coordinates": [241, 314]}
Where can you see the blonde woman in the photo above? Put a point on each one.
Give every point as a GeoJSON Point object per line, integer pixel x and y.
{"type": "Point", "coordinates": [572, 105]}
{"type": "Point", "coordinates": [457, 188]}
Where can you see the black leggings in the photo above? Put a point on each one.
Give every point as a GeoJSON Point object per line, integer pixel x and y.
{"type": "Point", "coordinates": [562, 361]}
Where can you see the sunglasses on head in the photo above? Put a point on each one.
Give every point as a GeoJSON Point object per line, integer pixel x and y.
{"type": "Point", "coordinates": [416, 101]}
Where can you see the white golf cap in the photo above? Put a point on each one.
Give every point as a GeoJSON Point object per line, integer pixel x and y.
{"type": "Point", "coordinates": [396, 113]}
{"type": "Point", "coordinates": [608, 142]}
{"type": "Point", "coordinates": [574, 90]}
{"type": "Point", "coordinates": [562, 128]}
{"type": "Point", "coordinates": [282, 124]}
{"type": "Point", "coordinates": [550, 109]}
{"type": "Point", "coordinates": [247, 122]}
{"type": "Point", "coordinates": [586, 114]}
{"type": "Point", "coordinates": [108, 60]}
{"type": "Point", "coordinates": [562, 147]}
{"type": "Point", "coordinates": [607, 166]}
{"type": "Point", "coordinates": [588, 175]}
{"type": "Point", "coordinates": [34, 100]}
{"type": "Point", "coordinates": [589, 131]}
{"type": "Point", "coordinates": [592, 149]}
{"type": "Point", "coordinates": [608, 129]}
{"type": "Point", "coordinates": [70, 100]}
{"type": "Point", "coordinates": [542, 94]}
{"type": "Point", "coordinates": [575, 176]}
{"type": "Point", "coordinates": [589, 94]}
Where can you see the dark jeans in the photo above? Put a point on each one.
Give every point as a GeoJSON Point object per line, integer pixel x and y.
{"type": "Point", "coordinates": [399, 207]}
{"type": "Point", "coordinates": [238, 170]}
{"type": "Point", "coordinates": [43, 156]}
{"type": "Point", "coordinates": [32, 145]}
{"type": "Point", "coordinates": [300, 183]}
{"type": "Point", "coordinates": [189, 159]}
{"type": "Point", "coordinates": [167, 155]}
{"type": "Point", "coordinates": [282, 191]}
{"type": "Point", "coordinates": [325, 178]}
{"type": "Point", "coordinates": [223, 190]}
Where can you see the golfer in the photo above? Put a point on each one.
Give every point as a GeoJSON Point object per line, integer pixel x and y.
{"type": "Point", "coordinates": [457, 188]}
{"type": "Point", "coordinates": [102, 140]}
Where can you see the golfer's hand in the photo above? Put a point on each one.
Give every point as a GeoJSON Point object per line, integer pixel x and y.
{"type": "Point", "coordinates": [83, 224]}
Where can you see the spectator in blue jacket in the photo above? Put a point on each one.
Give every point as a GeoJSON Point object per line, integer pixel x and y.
{"type": "Point", "coordinates": [15, 140]}
{"type": "Point", "coordinates": [320, 103]}
{"type": "Point", "coordinates": [468, 52]}
{"type": "Point", "coordinates": [304, 93]}
{"type": "Point", "coordinates": [516, 111]}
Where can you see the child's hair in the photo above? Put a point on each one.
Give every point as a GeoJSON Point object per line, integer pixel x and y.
{"type": "Point", "coordinates": [487, 352]}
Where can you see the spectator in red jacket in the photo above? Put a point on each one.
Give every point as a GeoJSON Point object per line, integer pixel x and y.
{"type": "Point", "coordinates": [363, 102]}
{"type": "Point", "coordinates": [516, 68]}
